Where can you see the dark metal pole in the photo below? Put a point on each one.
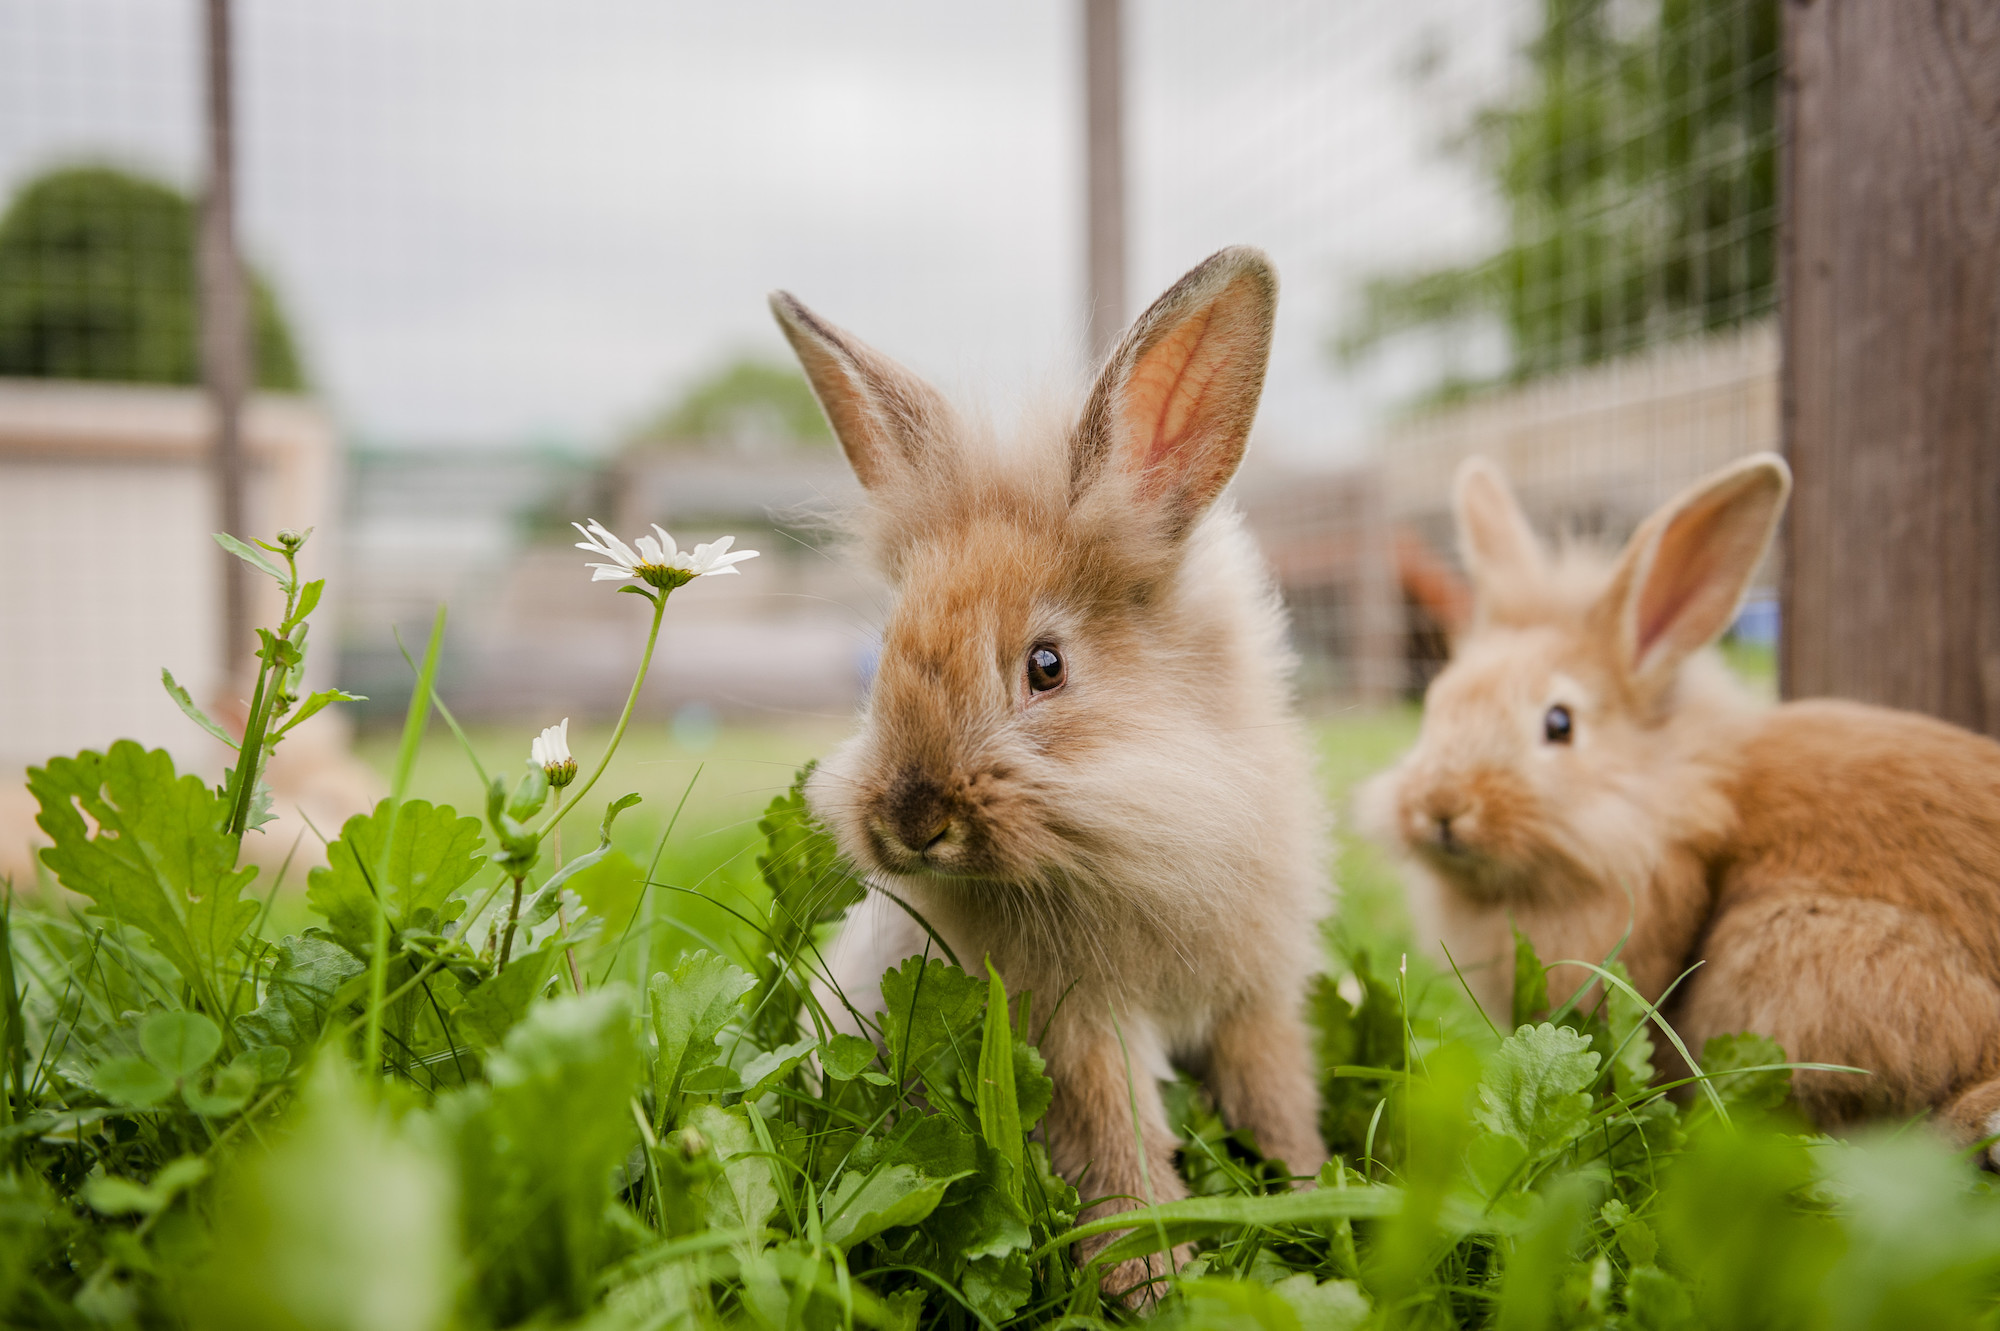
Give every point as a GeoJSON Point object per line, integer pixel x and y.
{"type": "Point", "coordinates": [1104, 95]}
{"type": "Point", "coordinates": [225, 339]}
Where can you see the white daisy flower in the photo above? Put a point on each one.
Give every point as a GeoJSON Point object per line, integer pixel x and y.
{"type": "Point", "coordinates": [550, 752]}
{"type": "Point", "coordinates": [658, 562]}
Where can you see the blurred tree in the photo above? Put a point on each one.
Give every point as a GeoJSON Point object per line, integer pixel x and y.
{"type": "Point", "coordinates": [1638, 168]}
{"type": "Point", "coordinates": [749, 405]}
{"type": "Point", "coordinates": [97, 281]}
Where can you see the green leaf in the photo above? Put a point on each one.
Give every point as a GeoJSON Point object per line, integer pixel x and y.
{"type": "Point", "coordinates": [179, 1043]}
{"type": "Point", "coordinates": [316, 703]}
{"type": "Point", "coordinates": [185, 701]}
{"type": "Point", "coordinates": [1761, 1091]}
{"type": "Point", "coordinates": [928, 1007]}
{"type": "Point", "coordinates": [495, 1007]}
{"type": "Point", "coordinates": [249, 555]}
{"type": "Point", "coordinates": [1198, 1217]}
{"type": "Point", "coordinates": [433, 854]}
{"type": "Point", "coordinates": [999, 1106]}
{"type": "Point", "coordinates": [300, 992]}
{"type": "Point", "coordinates": [156, 858]}
{"type": "Point", "coordinates": [1531, 983]}
{"type": "Point", "coordinates": [809, 882]}
{"type": "Point", "coordinates": [845, 1057]}
{"type": "Point", "coordinates": [766, 1070]}
{"type": "Point", "coordinates": [746, 1194]}
{"type": "Point", "coordinates": [1535, 1088]}
{"type": "Point", "coordinates": [308, 598]}
{"type": "Point", "coordinates": [118, 1196]}
{"type": "Point", "coordinates": [131, 1081]}
{"type": "Point", "coordinates": [887, 1198]}
{"type": "Point", "coordinates": [689, 1008]}
{"type": "Point", "coordinates": [996, 1287]}
{"type": "Point", "coordinates": [229, 1091]}
{"type": "Point", "coordinates": [264, 1064]}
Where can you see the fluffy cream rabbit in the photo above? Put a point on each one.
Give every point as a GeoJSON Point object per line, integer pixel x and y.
{"type": "Point", "coordinates": [1079, 757]}
{"type": "Point", "coordinates": [1586, 767]}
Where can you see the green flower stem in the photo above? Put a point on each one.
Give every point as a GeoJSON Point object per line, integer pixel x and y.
{"type": "Point", "coordinates": [507, 939]}
{"type": "Point", "coordinates": [562, 923]}
{"type": "Point", "coordinates": [624, 718]}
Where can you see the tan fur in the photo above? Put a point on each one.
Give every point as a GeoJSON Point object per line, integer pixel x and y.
{"type": "Point", "coordinates": [1141, 848]}
{"type": "Point", "coordinates": [1835, 867]}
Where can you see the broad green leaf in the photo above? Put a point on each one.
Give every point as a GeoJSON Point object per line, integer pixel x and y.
{"type": "Point", "coordinates": [928, 1007]}
{"type": "Point", "coordinates": [809, 882]}
{"type": "Point", "coordinates": [131, 1081]}
{"type": "Point", "coordinates": [152, 855]}
{"type": "Point", "coordinates": [996, 1287]}
{"type": "Point", "coordinates": [1722, 1055]}
{"type": "Point", "coordinates": [845, 1056]}
{"type": "Point", "coordinates": [999, 1106]}
{"type": "Point", "coordinates": [887, 1198]}
{"type": "Point", "coordinates": [264, 1064]}
{"type": "Point", "coordinates": [766, 1070]}
{"type": "Point", "coordinates": [299, 993]}
{"type": "Point", "coordinates": [538, 1151]}
{"type": "Point", "coordinates": [434, 854]}
{"type": "Point", "coordinates": [309, 598]}
{"type": "Point", "coordinates": [689, 1007]}
{"type": "Point", "coordinates": [249, 555]}
{"type": "Point", "coordinates": [745, 1196]}
{"type": "Point", "coordinates": [494, 1007]}
{"type": "Point", "coordinates": [1534, 1090]}
{"type": "Point", "coordinates": [110, 1195]}
{"type": "Point", "coordinates": [179, 1043]}
{"type": "Point", "coordinates": [1531, 983]}
{"type": "Point", "coordinates": [185, 701]}
{"type": "Point", "coordinates": [1197, 1217]}
{"type": "Point", "coordinates": [229, 1091]}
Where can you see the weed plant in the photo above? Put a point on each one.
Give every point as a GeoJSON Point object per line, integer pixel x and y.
{"type": "Point", "coordinates": [461, 1097]}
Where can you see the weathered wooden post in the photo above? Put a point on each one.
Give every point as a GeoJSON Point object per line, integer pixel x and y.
{"type": "Point", "coordinates": [1891, 315]}
{"type": "Point", "coordinates": [1104, 167]}
{"type": "Point", "coordinates": [225, 335]}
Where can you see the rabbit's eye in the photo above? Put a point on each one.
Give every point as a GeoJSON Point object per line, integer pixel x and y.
{"type": "Point", "coordinates": [1557, 725]}
{"type": "Point", "coordinates": [1045, 668]}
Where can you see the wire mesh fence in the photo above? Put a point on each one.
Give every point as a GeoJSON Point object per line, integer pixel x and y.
{"type": "Point", "coordinates": [504, 246]}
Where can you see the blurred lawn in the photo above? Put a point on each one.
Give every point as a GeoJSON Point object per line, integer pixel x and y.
{"type": "Point", "coordinates": [709, 863]}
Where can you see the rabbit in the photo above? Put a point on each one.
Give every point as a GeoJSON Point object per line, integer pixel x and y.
{"type": "Point", "coordinates": [1080, 756]}
{"type": "Point", "coordinates": [1587, 767]}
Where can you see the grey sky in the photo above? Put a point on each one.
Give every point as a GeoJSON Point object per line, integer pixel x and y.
{"type": "Point", "coordinates": [495, 220]}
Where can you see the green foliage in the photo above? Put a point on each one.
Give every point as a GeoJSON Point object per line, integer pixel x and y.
{"type": "Point", "coordinates": [1638, 168]}
{"type": "Point", "coordinates": [745, 403]}
{"type": "Point", "coordinates": [389, 1120]}
{"type": "Point", "coordinates": [97, 281]}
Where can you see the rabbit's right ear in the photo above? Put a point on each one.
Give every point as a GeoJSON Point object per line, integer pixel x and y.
{"type": "Point", "coordinates": [1682, 576]}
{"type": "Point", "coordinates": [1494, 539]}
{"type": "Point", "coordinates": [883, 415]}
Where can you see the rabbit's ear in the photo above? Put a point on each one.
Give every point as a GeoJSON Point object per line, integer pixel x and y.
{"type": "Point", "coordinates": [1682, 576]}
{"type": "Point", "coordinates": [1172, 408]}
{"type": "Point", "coordinates": [1494, 539]}
{"type": "Point", "coordinates": [883, 415]}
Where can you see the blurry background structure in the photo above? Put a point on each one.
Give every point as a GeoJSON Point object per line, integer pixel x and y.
{"type": "Point", "coordinates": [507, 259]}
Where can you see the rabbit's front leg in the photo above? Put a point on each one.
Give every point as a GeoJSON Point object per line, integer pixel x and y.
{"type": "Point", "coordinates": [1095, 1142]}
{"type": "Point", "coordinates": [1260, 1068]}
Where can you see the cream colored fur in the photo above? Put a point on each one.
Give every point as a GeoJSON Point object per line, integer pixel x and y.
{"type": "Point", "coordinates": [1834, 867]}
{"type": "Point", "coordinates": [1142, 848]}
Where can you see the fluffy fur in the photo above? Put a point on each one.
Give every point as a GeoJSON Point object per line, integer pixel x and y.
{"type": "Point", "coordinates": [1836, 867]}
{"type": "Point", "coordinates": [1141, 847]}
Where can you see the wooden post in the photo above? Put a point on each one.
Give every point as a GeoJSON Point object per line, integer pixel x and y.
{"type": "Point", "coordinates": [1891, 379]}
{"type": "Point", "coordinates": [225, 337]}
{"type": "Point", "coordinates": [1104, 131]}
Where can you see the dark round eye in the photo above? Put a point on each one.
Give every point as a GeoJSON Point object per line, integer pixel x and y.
{"type": "Point", "coordinates": [1557, 725]}
{"type": "Point", "coordinates": [1045, 668]}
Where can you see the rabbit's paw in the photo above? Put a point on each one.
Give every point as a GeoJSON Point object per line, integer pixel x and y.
{"type": "Point", "coordinates": [1141, 1282]}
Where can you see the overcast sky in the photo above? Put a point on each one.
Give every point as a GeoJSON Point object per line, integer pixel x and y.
{"type": "Point", "coordinates": [495, 221]}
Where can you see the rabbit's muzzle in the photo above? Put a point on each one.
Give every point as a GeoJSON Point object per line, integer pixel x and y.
{"type": "Point", "coordinates": [917, 825]}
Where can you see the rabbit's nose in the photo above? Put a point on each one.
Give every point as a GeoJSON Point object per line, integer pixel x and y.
{"type": "Point", "coordinates": [1443, 822]}
{"type": "Point", "coordinates": [916, 812]}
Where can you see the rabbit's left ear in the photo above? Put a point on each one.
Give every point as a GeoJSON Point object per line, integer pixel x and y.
{"type": "Point", "coordinates": [1172, 408]}
{"type": "Point", "coordinates": [1682, 576]}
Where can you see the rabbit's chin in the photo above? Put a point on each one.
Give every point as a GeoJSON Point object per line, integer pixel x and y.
{"type": "Point", "coordinates": [1487, 879]}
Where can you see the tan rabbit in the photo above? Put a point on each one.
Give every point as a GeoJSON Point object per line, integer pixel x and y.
{"type": "Point", "coordinates": [1079, 757]}
{"type": "Point", "coordinates": [1585, 767]}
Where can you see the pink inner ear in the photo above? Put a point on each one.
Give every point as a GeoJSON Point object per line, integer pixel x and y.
{"type": "Point", "coordinates": [1164, 402]}
{"type": "Point", "coordinates": [1689, 567]}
